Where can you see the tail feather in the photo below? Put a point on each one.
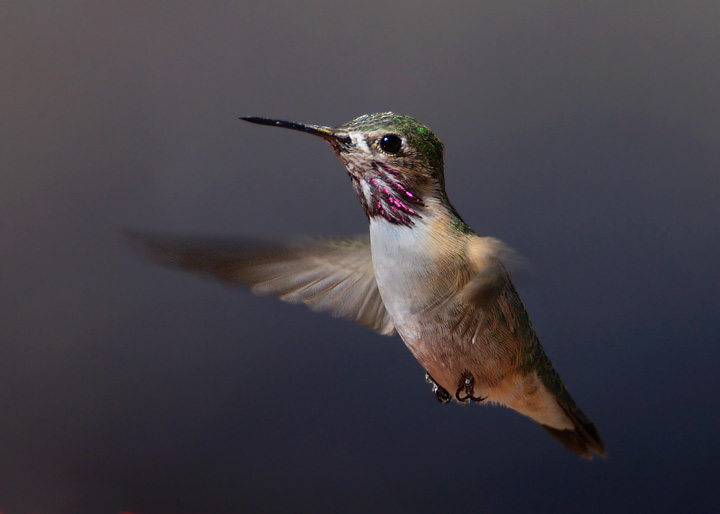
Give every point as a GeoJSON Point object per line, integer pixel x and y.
{"type": "Point", "coordinates": [583, 439]}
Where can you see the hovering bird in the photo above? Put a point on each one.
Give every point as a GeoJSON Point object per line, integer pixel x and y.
{"type": "Point", "coordinates": [423, 273]}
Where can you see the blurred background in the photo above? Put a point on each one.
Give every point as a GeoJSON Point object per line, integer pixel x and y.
{"type": "Point", "coordinates": [584, 135]}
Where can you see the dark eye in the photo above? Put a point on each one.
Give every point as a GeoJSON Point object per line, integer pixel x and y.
{"type": "Point", "coordinates": [390, 143]}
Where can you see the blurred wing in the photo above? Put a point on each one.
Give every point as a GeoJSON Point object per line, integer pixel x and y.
{"type": "Point", "coordinates": [479, 287]}
{"type": "Point", "coordinates": [326, 275]}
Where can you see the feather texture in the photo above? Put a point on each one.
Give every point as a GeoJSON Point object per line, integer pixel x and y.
{"type": "Point", "coordinates": [326, 275]}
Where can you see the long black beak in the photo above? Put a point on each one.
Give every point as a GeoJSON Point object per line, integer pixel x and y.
{"type": "Point", "coordinates": [328, 133]}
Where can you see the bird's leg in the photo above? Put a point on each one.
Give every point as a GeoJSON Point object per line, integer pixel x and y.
{"type": "Point", "coordinates": [467, 387]}
{"type": "Point", "coordinates": [440, 392]}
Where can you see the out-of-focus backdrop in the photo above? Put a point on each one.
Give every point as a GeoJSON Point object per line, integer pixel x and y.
{"type": "Point", "coordinates": [584, 135]}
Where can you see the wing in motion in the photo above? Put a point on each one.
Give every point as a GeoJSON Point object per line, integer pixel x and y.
{"type": "Point", "coordinates": [326, 275]}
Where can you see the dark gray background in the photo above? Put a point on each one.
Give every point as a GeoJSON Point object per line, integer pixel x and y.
{"type": "Point", "coordinates": [583, 134]}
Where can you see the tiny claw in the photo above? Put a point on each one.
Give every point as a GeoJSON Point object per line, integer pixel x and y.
{"type": "Point", "coordinates": [440, 392]}
{"type": "Point", "coordinates": [467, 386]}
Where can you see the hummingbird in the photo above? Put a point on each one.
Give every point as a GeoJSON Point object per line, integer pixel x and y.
{"type": "Point", "coordinates": [422, 273]}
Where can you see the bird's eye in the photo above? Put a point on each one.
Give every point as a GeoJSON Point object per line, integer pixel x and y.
{"type": "Point", "coordinates": [390, 143]}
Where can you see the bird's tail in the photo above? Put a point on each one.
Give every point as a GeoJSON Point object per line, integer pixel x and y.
{"type": "Point", "coordinates": [583, 438]}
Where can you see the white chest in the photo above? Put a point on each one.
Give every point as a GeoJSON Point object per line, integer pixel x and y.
{"type": "Point", "coordinates": [403, 263]}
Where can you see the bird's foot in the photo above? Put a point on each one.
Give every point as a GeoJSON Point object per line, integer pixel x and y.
{"type": "Point", "coordinates": [466, 389]}
{"type": "Point", "coordinates": [440, 392]}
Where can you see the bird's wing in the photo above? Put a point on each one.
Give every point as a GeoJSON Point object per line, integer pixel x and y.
{"type": "Point", "coordinates": [326, 275]}
{"type": "Point", "coordinates": [480, 283]}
